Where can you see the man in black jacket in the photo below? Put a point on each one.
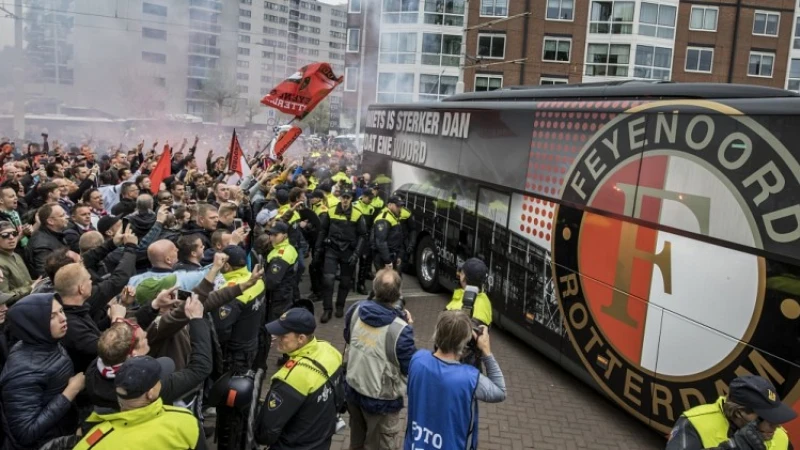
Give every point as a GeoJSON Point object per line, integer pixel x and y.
{"type": "Point", "coordinates": [47, 239]}
{"type": "Point", "coordinates": [81, 223]}
{"type": "Point", "coordinates": [127, 200]}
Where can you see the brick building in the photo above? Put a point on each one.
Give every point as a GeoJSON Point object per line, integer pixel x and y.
{"type": "Point", "coordinates": [531, 42]}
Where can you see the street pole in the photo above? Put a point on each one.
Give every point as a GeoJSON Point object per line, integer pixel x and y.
{"type": "Point", "coordinates": [362, 38]}
{"type": "Point", "coordinates": [462, 57]}
{"type": "Point", "coordinates": [19, 72]}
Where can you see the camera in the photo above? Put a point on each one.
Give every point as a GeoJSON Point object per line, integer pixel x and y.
{"type": "Point", "coordinates": [400, 305]}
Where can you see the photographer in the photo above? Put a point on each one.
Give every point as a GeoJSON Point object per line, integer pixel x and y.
{"type": "Point", "coordinates": [440, 379]}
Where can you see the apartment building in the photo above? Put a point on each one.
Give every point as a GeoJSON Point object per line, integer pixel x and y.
{"type": "Point", "coordinates": [533, 42]}
{"type": "Point", "coordinates": [277, 37]}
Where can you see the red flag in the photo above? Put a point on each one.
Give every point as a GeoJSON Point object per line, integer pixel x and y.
{"type": "Point", "coordinates": [301, 92]}
{"type": "Point", "coordinates": [237, 162]}
{"type": "Point", "coordinates": [285, 139]}
{"type": "Point", "coordinates": [162, 171]}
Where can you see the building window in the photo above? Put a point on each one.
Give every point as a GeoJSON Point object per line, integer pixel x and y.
{"type": "Point", "coordinates": [494, 8]}
{"type": "Point", "coordinates": [440, 49]}
{"type": "Point", "coordinates": [703, 18]}
{"type": "Point", "coordinates": [434, 87]}
{"type": "Point", "coordinates": [699, 59]}
{"type": "Point", "coordinates": [449, 13]}
{"type": "Point", "coordinates": [611, 18]}
{"type": "Point", "coordinates": [243, 64]}
{"type": "Point", "coordinates": [657, 20]}
{"type": "Point", "coordinates": [395, 87]}
{"type": "Point", "coordinates": [796, 44]}
{"type": "Point", "coordinates": [245, 12]}
{"type": "Point", "coordinates": [242, 76]}
{"type": "Point", "coordinates": [653, 63]}
{"type": "Point", "coordinates": [152, 33]}
{"type": "Point", "coordinates": [766, 23]}
{"type": "Point", "coordinates": [354, 6]}
{"type": "Point", "coordinates": [492, 46]}
{"type": "Point", "coordinates": [246, 2]}
{"type": "Point", "coordinates": [353, 38]}
{"type": "Point", "coordinates": [160, 81]}
{"type": "Point", "coordinates": [244, 51]}
{"type": "Point", "coordinates": [398, 48]}
{"type": "Point", "coordinates": [158, 58]}
{"type": "Point", "coordinates": [761, 64]}
{"type": "Point", "coordinates": [556, 49]}
{"type": "Point", "coordinates": [551, 81]}
{"type": "Point", "coordinates": [244, 39]}
{"type": "Point", "coordinates": [608, 60]}
{"type": "Point", "coordinates": [793, 84]}
{"type": "Point", "coordinates": [156, 10]}
{"type": "Point", "coordinates": [351, 79]}
{"type": "Point", "coordinates": [244, 26]}
{"type": "Point", "coordinates": [485, 83]}
{"type": "Point", "coordinates": [400, 11]}
{"type": "Point", "coordinates": [559, 9]}
{"type": "Point", "coordinates": [242, 89]}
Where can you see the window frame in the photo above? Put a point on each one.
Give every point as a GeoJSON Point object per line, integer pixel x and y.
{"type": "Point", "coordinates": [699, 49]}
{"type": "Point", "coordinates": [607, 64]}
{"type": "Point", "coordinates": [652, 66]}
{"type": "Point", "coordinates": [555, 81]}
{"type": "Point", "coordinates": [157, 7]}
{"type": "Point", "coordinates": [705, 9]}
{"type": "Point", "coordinates": [347, 40]}
{"type": "Point", "coordinates": [657, 26]}
{"type": "Point", "coordinates": [397, 53]}
{"type": "Point", "coordinates": [444, 14]}
{"type": "Point", "coordinates": [438, 94]}
{"type": "Point", "coordinates": [378, 91]}
{"type": "Point", "coordinates": [494, 8]}
{"type": "Point", "coordinates": [762, 55]}
{"type": "Point", "coordinates": [611, 22]}
{"type": "Point", "coordinates": [790, 78]}
{"type": "Point", "coordinates": [488, 77]}
{"type": "Point", "coordinates": [491, 36]}
{"type": "Point", "coordinates": [347, 77]}
{"type": "Point", "coordinates": [766, 21]}
{"type": "Point", "coordinates": [144, 52]}
{"type": "Point", "coordinates": [161, 37]}
{"type": "Point", "coordinates": [558, 39]}
{"type": "Point", "coordinates": [440, 54]}
{"type": "Point", "coordinates": [560, 8]}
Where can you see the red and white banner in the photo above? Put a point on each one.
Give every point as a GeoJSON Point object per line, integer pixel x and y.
{"type": "Point", "coordinates": [237, 163]}
{"type": "Point", "coordinates": [301, 92]}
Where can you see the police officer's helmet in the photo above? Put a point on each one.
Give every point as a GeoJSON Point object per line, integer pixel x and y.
{"type": "Point", "coordinates": [232, 391]}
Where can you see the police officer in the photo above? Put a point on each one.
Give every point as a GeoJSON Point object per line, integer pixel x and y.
{"type": "Point", "coordinates": [318, 207]}
{"type": "Point", "coordinates": [306, 392]}
{"type": "Point", "coordinates": [364, 204]}
{"type": "Point", "coordinates": [143, 421]}
{"type": "Point", "coordinates": [341, 237]}
{"type": "Point", "coordinates": [409, 228]}
{"type": "Point", "coordinates": [388, 236]}
{"type": "Point", "coordinates": [748, 418]}
{"type": "Point", "coordinates": [279, 275]}
{"type": "Point", "coordinates": [473, 274]}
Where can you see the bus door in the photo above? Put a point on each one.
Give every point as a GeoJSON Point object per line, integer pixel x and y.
{"type": "Point", "coordinates": [491, 245]}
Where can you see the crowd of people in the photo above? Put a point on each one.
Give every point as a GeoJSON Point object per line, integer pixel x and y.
{"type": "Point", "coordinates": [134, 310]}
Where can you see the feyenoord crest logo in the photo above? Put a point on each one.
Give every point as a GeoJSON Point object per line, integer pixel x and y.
{"type": "Point", "coordinates": [663, 286]}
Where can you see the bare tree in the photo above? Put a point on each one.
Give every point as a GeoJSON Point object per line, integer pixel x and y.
{"type": "Point", "coordinates": [253, 108]}
{"type": "Point", "coordinates": [221, 90]}
{"type": "Point", "coordinates": [320, 118]}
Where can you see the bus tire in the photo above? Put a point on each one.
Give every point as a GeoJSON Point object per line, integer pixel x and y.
{"type": "Point", "coordinates": [427, 265]}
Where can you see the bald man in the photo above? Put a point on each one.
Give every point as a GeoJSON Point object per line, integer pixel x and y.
{"type": "Point", "coordinates": [73, 286]}
{"type": "Point", "coordinates": [163, 256]}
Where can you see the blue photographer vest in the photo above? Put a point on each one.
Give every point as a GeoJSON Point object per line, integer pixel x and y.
{"type": "Point", "coordinates": [435, 382]}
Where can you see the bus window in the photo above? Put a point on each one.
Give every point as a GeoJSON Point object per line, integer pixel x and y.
{"type": "Point", "coordinates": [493, 239]}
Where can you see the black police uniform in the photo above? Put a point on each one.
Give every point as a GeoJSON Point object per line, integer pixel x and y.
{"type": "Point", "coordinates": [387, 237]}
{"type": "Point", "coordinates": [341, 238]}
{"type": "Point", "coordinates": [280, 276]}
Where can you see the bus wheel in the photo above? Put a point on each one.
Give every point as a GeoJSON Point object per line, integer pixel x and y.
{"type": "Point", "coordinates": [427, 265]}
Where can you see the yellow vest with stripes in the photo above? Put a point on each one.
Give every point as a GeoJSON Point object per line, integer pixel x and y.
{"type": "Point", "coordinates": [282, 210]}
{"type": "Point", "coordinates": [711, 425]}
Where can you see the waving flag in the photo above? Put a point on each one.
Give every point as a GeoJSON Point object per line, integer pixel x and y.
{"type": "Point", "coordinates": [162, 171]}
{"type": "Point", "coordinates": [237, 163]}
{"type": "Point", "coordinates": [287, 134]}
{"type": "Point", "coordinates": [301, 92]}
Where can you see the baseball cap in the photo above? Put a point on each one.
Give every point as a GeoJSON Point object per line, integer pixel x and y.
{"type": "Point", "coordinates": [295, 320]}
{"type": "Point", "coordinates": [105, 223]}
{"type": "Point", "coordinates": [265, 215]}
{"type": "Point", "coordinates": [397, 200]}
{"type": "Point", "coordinates": [279, 227]}
{"type": "Point", "coordinates": [759, 394]}
{"type": "Point", "coordinates": [346, 192]}
{"type": "Point", "coordinates": [148, 289]}
{"type": "Point", "coordinates": [140, 373]}
{"type": "Point", "coordinates": [474, 270]}
{"type": "Point", "coordinates": [237, 257]}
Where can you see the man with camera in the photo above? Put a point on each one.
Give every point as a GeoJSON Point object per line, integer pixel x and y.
{"type": "Point", "coordinates": [380, 344]}
{"type": "Point", "coordinates": [440, 378]}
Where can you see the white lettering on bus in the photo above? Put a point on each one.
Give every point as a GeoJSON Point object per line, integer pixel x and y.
{"type": "Point", "coordinates": [456, 125]}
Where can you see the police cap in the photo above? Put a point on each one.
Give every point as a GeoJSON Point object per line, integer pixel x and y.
{"type": "Point", "coordinates": [140, 374]}
{"type": "Point", "coordinates": [758, 394]}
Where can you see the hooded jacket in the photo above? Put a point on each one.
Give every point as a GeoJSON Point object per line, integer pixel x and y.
{"type": "Point", "coordinates": [34, 377]}
{"type": "Point", "coordinates": [377, 315]}
{"type": "Point", "coordinates": [142, 223]}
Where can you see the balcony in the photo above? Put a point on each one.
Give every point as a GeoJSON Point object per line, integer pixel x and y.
{"type": "Point", "coordinates": [205, 50]}
{"type": "Point", "coordinates": [205, 26]}
{"type": "Point", "coordinates": [210, 5]}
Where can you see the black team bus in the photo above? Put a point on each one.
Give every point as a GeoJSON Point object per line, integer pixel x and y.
{"type": "Point", "coordinates": [645, 236]}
